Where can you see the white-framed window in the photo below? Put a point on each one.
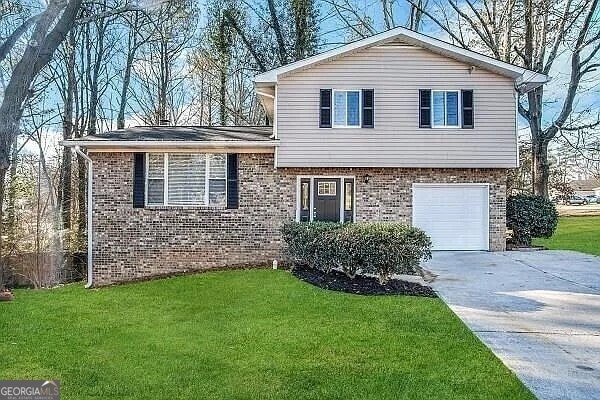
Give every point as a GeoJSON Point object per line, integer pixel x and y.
{"type": "Point", "coordinates": [346, 108]}
{"type": "Point", "coordinates": [445, 108]}
{"type": "Point", "coordinates": [327, 188]}
{"type": "Point", "coordinates": [180, 179]}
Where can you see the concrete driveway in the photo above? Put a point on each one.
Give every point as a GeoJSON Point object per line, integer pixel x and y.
{"type": "Point", "coordinates": [537, 311]}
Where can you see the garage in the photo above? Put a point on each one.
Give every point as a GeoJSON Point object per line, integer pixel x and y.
{"type": "Point", "coordinates": [455, 216]}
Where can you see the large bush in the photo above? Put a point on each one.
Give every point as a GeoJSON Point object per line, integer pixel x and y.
{"type": "Point", "coordinates": [530, 217]}
{"type": "Point", "coordinates": [378, 248]}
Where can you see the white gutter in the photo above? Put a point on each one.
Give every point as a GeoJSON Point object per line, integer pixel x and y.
{"type": "Point", "coordinates": [179, 144]}
{"type": "Point", "coordinates": [90, 171]}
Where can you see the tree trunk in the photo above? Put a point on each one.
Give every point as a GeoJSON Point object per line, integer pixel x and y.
{"type": "Point", "coordinates": [125, 86]}
{"type": "Point", "coordinates": [223, 95]}
{"type": "Point", "coordinates": [541, 168]}
{"type": "Point", "coordinates": [281, 49]}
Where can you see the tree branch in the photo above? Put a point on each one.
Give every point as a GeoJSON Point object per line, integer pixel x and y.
{"type": "Point", "coordinates": [12, 39]}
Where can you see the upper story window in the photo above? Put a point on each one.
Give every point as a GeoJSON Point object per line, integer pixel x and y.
{"type": "Point", "coordinates": [445, 106]}
{"type": "Point", "coordinates": [186, 179]}
{"type": "Point", "coordinates": [346, 108]}
{"type": "Point", "coordinates": [446, 109]}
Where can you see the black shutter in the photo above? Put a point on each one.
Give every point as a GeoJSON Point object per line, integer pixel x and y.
{"type": "Point", "coordinates": [424, 108]}
{"type": "Point", "coordinates": [232, 181]}
{"type": "Point", "coordinates": [325, 109]}
{"type": "Point", "coordinates": [368, 105]}
{"type": "Point", "coordinates": [467, 109]}
{"type": "Point", "coordinates": [139, 182]}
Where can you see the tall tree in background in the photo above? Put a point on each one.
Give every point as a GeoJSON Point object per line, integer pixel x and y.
{"type": "Point", "coordinates": [537, 34]}
{"type": "Point", "coordinates": [359, 20]}
{"type": "Point", "coordinates": [162, 75]}
{"type": "Point", "coordinates": [304, 14]}
{"type": "Point", "coordinates": [221, 35]}
{"type": "Point", "coordinates": [49, 29]}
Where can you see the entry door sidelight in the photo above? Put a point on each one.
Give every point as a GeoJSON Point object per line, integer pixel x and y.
{"type": "Point", "coordinates": [327, 197]}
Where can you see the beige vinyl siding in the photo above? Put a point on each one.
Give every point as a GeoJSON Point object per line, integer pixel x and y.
{"type": "Point", "coordinates": [396, 72]}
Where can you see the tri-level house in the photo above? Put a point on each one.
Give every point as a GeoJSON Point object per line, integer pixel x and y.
{"type": "Point", "coordinates": [396, 127]}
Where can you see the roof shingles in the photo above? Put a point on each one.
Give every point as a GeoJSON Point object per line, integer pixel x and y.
{"type": "Point", "coordinates": [186, 134]}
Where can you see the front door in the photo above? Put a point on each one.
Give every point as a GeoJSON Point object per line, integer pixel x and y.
{"type": "Point", "coordinates": [327, 199]}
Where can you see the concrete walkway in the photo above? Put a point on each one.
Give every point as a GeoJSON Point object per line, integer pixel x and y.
{"type": "Point", "coordinates": [539, 312]}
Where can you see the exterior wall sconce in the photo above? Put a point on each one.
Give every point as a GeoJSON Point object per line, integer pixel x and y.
{"type": "Point", "coordinates": [367, 178]}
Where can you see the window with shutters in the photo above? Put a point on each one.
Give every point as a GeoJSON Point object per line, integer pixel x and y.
{"type": "Point", "coordinates": [445, 106]}
{"type": "Point", "coordinates": [346, 108]}
{"type": "Point", "coordinates": [186, 179]}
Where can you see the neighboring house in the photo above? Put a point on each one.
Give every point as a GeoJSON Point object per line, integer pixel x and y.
{"type": "Point", "coordinates": [395, 127]}
{"type": "Point", "coordinates": [585, 187]}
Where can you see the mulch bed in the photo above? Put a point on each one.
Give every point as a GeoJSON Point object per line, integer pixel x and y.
{"type": "Point", "coordinates": [364, 285]}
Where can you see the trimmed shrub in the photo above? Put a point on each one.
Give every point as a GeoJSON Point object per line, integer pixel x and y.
{"type": "Point", "coordinates": [530, 217]}
{"type": "Point", "coordinates": [382, 249]}
{"type": "Point", "coordinates": [300, 238]}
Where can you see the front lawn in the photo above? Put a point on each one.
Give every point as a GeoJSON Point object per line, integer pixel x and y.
{"type": "Point", "coordinates": [258, 334]}
{"type": "Point", "coordinates": [575, 233]}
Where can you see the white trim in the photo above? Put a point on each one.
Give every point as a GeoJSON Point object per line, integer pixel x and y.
{"type": "Point", "coordinates": [311, 200]}
{"type": "Point", "coordinates": [517, 128]}
{"type": "Point", "coordinates": [275, 115]}
{"type": "Point", "coordinates": [265, 94]}
{"type": "Point", "coordinates": [468, 184]}
{"type": "Point", "coordinates": [333, 92]}
{"type": "Point", "coordinates": [165, 203]}
{"type": "Point", "coordinates": [207, 178]}
{"type": "Point", "coordinates": [458, 111]}
{"type": "Point", "coordinates": [298, 199]}
{"type": "Point", "coordinates": [525, 80]}
{"type": "Point", "coordinates": [166, 179]}
{"type": "Point", "coordinates": [335, 184]}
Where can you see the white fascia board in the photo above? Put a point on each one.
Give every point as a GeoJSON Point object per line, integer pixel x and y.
{"type": "Point", "coordinates": [530, 78]}
{"type": "Point", "coordinates": [178, 144]}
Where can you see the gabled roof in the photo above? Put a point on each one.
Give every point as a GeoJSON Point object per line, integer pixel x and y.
{"type": "Point", "coordinates": [525, 79]}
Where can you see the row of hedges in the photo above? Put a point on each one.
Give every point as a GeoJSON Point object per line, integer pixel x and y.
{"type": "Point", "coordinates": [377, 248]}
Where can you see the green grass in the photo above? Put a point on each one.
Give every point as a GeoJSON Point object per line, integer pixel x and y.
{"type": "Point", "coordinates": [575, 233]}
{"type": "Point", "coordinates": [258, 334]}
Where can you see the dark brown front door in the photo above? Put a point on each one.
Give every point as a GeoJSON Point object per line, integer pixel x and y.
{"type": "Point", "coordinates": [327, 199]}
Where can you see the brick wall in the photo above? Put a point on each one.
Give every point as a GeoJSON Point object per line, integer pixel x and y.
{"type": "Point", "coordinates": [136, 243]}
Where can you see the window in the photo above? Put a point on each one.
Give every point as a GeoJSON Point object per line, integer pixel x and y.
{"type": "Point", "coordinates": [327, 189]}
{"type": "Point", "coordinates": [348, 196]}
{"type": "Point", "coordinates": [346, 108]}
{"type": "Point", "coordinates": [305, 192]}
{"type": "Point", "coordinates": [216, 179]}
{"type": "Point", "coordinates": [445, 106]}
{"type": "Point", "coordinates": [156, 179]}
{"type": "Point", "coordinates": [186, 179]}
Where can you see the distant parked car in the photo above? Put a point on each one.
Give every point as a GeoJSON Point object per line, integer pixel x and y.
{"type": "Point", "coordinates": [576, 201]}
{"type": "Point", "coordinates": [592, 199]}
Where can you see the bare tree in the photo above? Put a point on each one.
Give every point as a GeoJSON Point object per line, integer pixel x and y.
{"type": "Point", "coordinates": [48, 32]}
{"type": "Point", "coordinates": [358, 18]}
{"type": "Point", "coordinates": [536, 34]}
{"type": "Point", "coordinates": [161, 70]}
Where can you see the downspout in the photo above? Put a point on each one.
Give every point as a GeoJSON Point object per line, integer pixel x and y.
{"type": "Point", "coordinates": [90, 171]}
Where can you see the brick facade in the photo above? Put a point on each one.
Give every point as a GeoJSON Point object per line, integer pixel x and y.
{"type": "Point", "coordinates": [136, 243]}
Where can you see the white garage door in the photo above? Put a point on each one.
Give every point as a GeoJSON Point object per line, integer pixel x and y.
{"type": "Point", "coordinates": [455, 216]}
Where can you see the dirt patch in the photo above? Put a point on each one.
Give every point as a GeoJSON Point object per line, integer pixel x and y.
{"type": "Point", "coordinates": [363, 285]}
